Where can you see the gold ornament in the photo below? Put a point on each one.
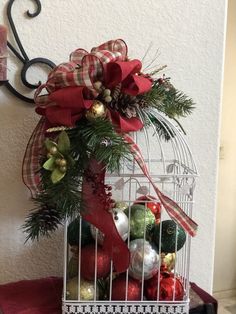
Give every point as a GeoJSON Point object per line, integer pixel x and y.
{"type": "Point", "coordinates": [107, 92]}
{"type": "Point", "coordinates": [108, 99]}
{"type": "Point", "coordinates": [97, 85]}
{"type": "Point", "coordinates": [62, 162]}
{"type": "Point", "coordinates": [97, 110]}
{"type": "Point", "coordinates": [53, 150]}
{"type": "Point", "coordinates": [168, 260]}
{"type": "Point", "coordinates": [57, 161]}
{"type": "Point", "coordinates": [63, 169]}
{"type": "Point", "coordinates": [121, 205]}
{"type": "Point", "coordinates": [87, 290]}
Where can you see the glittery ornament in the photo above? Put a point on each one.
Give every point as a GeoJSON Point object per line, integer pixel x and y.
{"type": "Point", "coordinates": [97, 110]}
{"type": "Point", "coordinates": [151, 203]}
{"type": "Point", "coordinates": [141, 219]}
{"type": "Point", "coordinates": [170, 288]}
{"type": "Point", "coordinates": [121, 223]}
{"type": "Point", "coordinates": [87, 290]}
{"type": "Point", "coordinates": [121, 205]}
{"type": "Point", "coordinates": [73, 232]}
{"type": "Point", "coordinates": [169, 237]}
{"type": "Point", "coordinates": [168, 261]}
{"type": "Point", "coordinates": [144, 261]}
{"type": "Point", "coordinates": [103, 265]}
{"type": "Point", "coordinates": [119, 289]}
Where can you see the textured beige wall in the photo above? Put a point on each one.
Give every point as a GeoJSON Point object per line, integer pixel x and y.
{"type": "Point", "coordinates": [225, 254]}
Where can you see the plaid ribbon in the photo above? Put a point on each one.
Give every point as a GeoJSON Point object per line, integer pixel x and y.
{"type": "Point", "coordinates": [83, 69]}
{"type": "Point", "coordinates": [31, 162]}
{"type": "Point", "coordinates": [172, 208]}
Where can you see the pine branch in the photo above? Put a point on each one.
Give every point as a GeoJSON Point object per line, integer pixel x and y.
{"type": "Point", "coordinates": [100, 140]}
{"type": "Point", "coordinates": [41, 222]}
{"type": "Point", "coordinates": [169, 100]}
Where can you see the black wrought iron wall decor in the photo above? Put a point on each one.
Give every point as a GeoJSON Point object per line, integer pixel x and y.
{"type": "Point", "coordinates": [21, 54]}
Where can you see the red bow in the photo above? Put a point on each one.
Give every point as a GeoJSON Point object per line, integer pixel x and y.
{"type": "Point", "coordinates": [128, 74]}
{"type": "Point", "coordinates": [67, 105]}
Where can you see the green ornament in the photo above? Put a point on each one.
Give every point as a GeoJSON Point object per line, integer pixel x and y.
{"type": "Point", "coordinates": [168, 236]}
{"type": "Point", "coordinates": [73, 232]}
{"type": "Point", "coordinates": [141, 217]}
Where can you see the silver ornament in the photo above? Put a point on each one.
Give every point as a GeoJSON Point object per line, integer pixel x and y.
{"type": "Point", "coordinates": [144, 261]}
{"type": "Point", "coordinates": [121, 222]}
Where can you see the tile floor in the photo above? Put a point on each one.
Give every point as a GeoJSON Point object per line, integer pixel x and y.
{"type": "Point", "coordinates": [227, 305]}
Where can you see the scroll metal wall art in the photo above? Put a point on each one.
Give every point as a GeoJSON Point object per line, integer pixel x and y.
{"type": "Point", "coordinates": [19, 51]}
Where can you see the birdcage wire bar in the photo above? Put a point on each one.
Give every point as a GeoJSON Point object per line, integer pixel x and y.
{"type": "Point", "coordinates": [173, 170]}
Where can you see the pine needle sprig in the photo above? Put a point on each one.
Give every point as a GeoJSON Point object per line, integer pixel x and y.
{"type": "Point", "coordinates": [100, 140]}
{"type": "Point", "coordinates": [53, 204]}
{"type": "Point", "coordinates": [172, 102]}
{"type": "Point", "coordinates": [41, 222]}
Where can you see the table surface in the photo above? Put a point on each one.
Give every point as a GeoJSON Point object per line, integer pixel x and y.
{"type": "Point", "coordinates": [25, 297]}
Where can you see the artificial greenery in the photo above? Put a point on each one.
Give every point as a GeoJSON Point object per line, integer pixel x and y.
{"type": "Point", "coordinates": [167, 99]}
{"type": "Point", "coordinates": [62, 198]}
{"type": "Point", "coordinates": [66, 160]}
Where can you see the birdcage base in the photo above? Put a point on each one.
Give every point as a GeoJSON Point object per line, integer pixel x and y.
{"type": "Point", "coordinates": [125, 307]}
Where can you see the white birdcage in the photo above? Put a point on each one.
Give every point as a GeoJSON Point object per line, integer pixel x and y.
{"type": "Point", "coordinates": [173, 170]}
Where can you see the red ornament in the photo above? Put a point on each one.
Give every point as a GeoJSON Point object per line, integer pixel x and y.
{"type": "Point", "coordinates": [170, 288]}
{"type": "Point", "coordinates": [119, 289]}
{"type": "Point", "coordinates": [155, 207]}
{"type": "Point", "coordinates": [88, 262]}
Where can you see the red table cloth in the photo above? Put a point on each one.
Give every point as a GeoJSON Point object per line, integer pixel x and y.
{"type": "Point", "coordinates": [41, 296]}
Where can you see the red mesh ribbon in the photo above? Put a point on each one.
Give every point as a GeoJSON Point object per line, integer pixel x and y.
{"type": "Point", "coordinates": [172, 208]}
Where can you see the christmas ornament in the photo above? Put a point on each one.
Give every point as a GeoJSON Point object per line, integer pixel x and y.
{"type": "Point", "coordinates": [168, 236]}
{"type": "Point", "coordinates": [144, 261]}
{"type": "Point", "coordinates": [168, 261]}
{"type": "Point", "coordinates": [121, 205]}
{"type": "Point", "coordinates": [97, 85]}
{"type": "Point", "coordinates": [73, 232]}
{"type": "Point", "coordinates": [170, 288]}
{"type": "Point", "coordinates": [72, 268]}
{"type": "Point", "coordinates": [119, 289]}
{"type": "Point", "coordinates": [141, 219]}
{"type": "Point", "coordinates": [97, 110]}
{"type": "Point", "coordinates": [121, 223]}
{"type": "Point", "coordinates": [87, 290]}
{"type": "Point", "coordinates": [103, 265]}
{"type": "Point", "coordinates": [154, 205]}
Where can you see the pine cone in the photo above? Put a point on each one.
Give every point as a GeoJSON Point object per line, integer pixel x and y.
{"type": "Point", "coordinates": [125, 104]}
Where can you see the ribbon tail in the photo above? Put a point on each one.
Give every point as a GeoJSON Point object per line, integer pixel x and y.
{"type": "Point", "coordinates": [172, 208]}
{"type": "Point", "coordinates": [31, 161]}
{"type": "Point", "coordinates": [95, 213]}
